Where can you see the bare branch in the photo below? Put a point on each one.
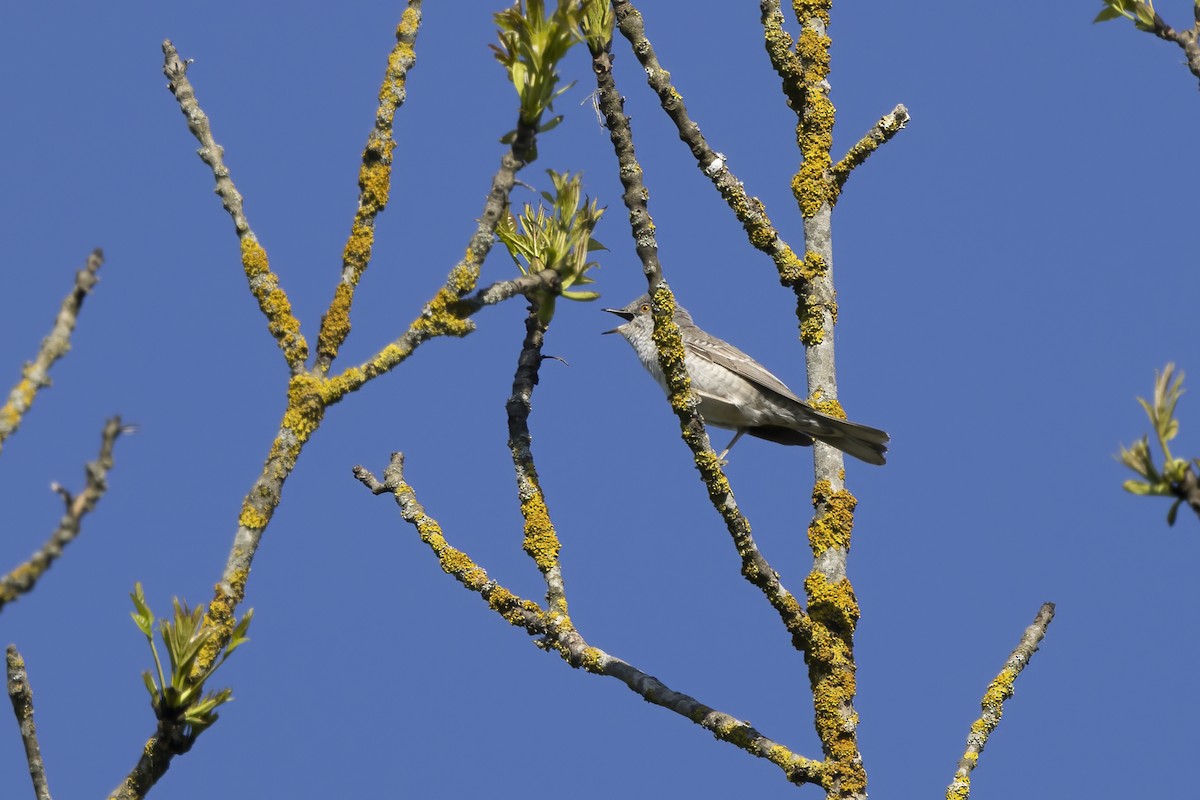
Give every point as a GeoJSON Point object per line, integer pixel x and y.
{"type": "Point", "coordinates": [374, 184]}
{"type": "Point", "coordinates": [999, 690]}
{"type": "Point", "coordinates": [21, 694]}
{"type": "Point", "coordinates": [1188, 41]}
{"type": "Point", "coordinates": [667, 338]}
{"type": "Point", "coordinates": [56, 344]}
{"type": "Point", "coordinates": [750, 211]}
{"type": "Point", "coordinates": [883, 131]}
{"type": "Point", "coordinates": [22, 579]}
{"type": "Point", "coordinates": [310, 393]}
{"type": "Point", "coordinates": [541, 540]}
{"type": "Point", "coordinates": [558, 634]}
{"type": "Point", "coordinates": [264, 285]}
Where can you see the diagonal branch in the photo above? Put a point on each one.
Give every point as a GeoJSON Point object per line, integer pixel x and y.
{"type": "Point", "coordinates": [22, 579]}
{"type": "Point", "coordinates": [374, 184]}
{"type": "Point", "coordinates": [667, 339]}
{"type": "Point", "coordinates": [888, 126]}
{"type": "Point", "coordinates": [558, 634]}
{"type": "Point", "coordinates": [999, 690]}
{"type": "Point", "coordinates": [750, 211]}
{"type": "Point", "coordinates": [35, 375]}
{"type": "Point", "coordinates": [21, 694]}
{"type": "Point", "coordinates": [264, 285]}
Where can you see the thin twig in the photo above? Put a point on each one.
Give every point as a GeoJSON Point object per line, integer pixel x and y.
{"type": "Point", "coordinates": [888, 126]}
{"type": "Point", "coordinates": [21, 694]}
{"type": "Point", "coordinates": [755, 567]}
{"type": "Point", "coordinates": [35, 375]}
{"type": "Point", "coordinates": [445, 315]}
{"type": "Point", "coordinates": [264, 285]}
{"type": "Point", "coordinates": [750, 211]}
{"type": "Point", "coordinates": [999, 690]}
{"type": "Point", "coordinates": [22, 579]}
{"type": "Point", "coordinates": [558, 634]}
{"type": "Point", "coordinates": [374, 184]}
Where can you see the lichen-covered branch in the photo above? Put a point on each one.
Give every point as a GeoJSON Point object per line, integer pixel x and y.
{"type": "Point", "coordinates": [22, 579]}
{"type": "Point", "coordinates": [999, 690]}
{"type": "Point", "coordinates": [36, 373]}
{"type": "Point", "coordinates": [888, 126]}
{"type": "Point", "coordinates": [670, 348]}
{"type": "Point", "coordinates": [749, 210]}
{"type": "Point", "coordinates": [541, 540]}
{"type": "Point", "coordinates": [21, 694]}
{"type": "Point", "coordinates": [310, 395]}
{"type": "Point", "coordinates": [556, 632]}
{"type": "Point", "coordinates": [441, 316]}
{"type": "Point", "coordinates": [832, 605]}
{"type": "Point", "coordinates": [310, 392]}
{"type": "Point", "coordinates": [374, 185]}
{"type": "Point", "coordinates": [264, 285]}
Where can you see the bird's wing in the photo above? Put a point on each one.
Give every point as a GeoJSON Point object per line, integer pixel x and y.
{"type": "Point", "coordinates": [723, 353]}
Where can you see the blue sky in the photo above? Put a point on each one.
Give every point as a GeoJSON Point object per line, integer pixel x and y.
{"type": "Point", "coordinates": [1011, 269]}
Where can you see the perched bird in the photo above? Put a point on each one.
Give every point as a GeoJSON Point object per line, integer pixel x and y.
{"type": "Point", "coordinates": [738, 394]}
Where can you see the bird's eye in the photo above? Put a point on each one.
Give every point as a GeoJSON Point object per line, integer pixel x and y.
{"type": "Point", "coordinates": [645, 307]}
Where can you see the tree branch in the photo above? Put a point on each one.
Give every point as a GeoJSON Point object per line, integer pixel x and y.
{"type": "Point", "coordinates": [35, 375]}
{"type": "Point", "coordinates": [374, 184]}
{"type": "Point", "coordinates": [883, 131]}
{"type": "Point", "coordinates": [22, 579]}
{"type": "Point", "coordinates": [999, 690]}
{"type": "Point", "coordinates": [750, 211]}
{"type": "Point", "coordinates": [541, 540]}
{"type": "Point", "coordinates": [21, 694]}
{"type": "Point", "coordinates": [558, 634]}
{"type": "Point", "coordinates": [1188, 41]}
{"type": "Point", "coordinates": [264, 285]}
{"type": "Point", "coordinates": [755, 567]}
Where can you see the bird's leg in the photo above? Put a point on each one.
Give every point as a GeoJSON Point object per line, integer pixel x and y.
{"type": "Point", "coordinates": [729, 446]}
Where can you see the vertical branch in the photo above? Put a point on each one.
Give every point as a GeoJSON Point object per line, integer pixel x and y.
{"type": "Point", "coordinates": [541, 540]}
{"type": "Point", "coordinates": [21, 694]}
{"type": "Point", "coordinates": [832, 604]}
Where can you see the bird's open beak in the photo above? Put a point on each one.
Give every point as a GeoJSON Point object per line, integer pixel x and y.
{"type": "Point", "coordinates": [620, 312]}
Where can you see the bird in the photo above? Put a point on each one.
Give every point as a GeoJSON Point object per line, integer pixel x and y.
{"type": "Point", "coordinates": [739, 394]}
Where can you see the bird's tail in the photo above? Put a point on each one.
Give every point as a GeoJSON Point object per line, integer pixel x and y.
{"type": "Point", "coordinates": [861, 441]}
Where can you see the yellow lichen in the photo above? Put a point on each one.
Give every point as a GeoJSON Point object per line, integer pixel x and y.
{"type": "Point", "coordinates": [1000, 689]}
{"type": "Point", "coordinates": [358, 249]}
{"type": "Point", "coordinates": [410, 21]}
{"type": "Point", "coordinates": [254, 257]}
{"type": "Point", "coordinates": [541, 542]}
{"type": "Point", "coordinates": [306, 405]}
{"type": "Point", "coordinates": [832, 604]}
{"type": "Point", "coordinates": [813, 266]}
{"type": "Point", "coordinates": [252, 518]}
{"type": "Point", "coordinates": [375, 180]}
{"type": "Point", "coordinates": [592, 659]}
{"type": "Point", "coordinates": [812, 325]}
{"type": "Point", "coordinates": [833, 527]}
